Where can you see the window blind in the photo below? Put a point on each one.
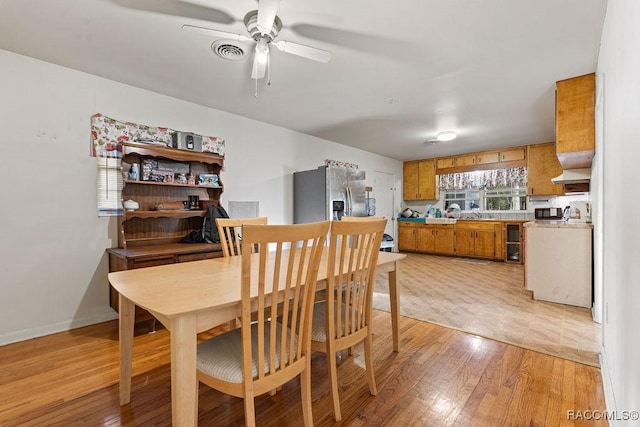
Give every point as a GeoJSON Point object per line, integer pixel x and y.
{"type": "Point", "coordinates": [109, 186]}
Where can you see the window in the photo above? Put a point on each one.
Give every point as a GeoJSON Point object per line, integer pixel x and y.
{"type": "Point", "coordinates": [506, 199]}
{"type": "Point", "coordinates": [466, 199]}
{"type": "Point", "coordinates": [109, 186]}
{"type": "Point", "coordinates": [496, 199]}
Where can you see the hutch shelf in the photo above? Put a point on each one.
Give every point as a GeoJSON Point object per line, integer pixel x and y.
{"type": "Point", "coordinates": [149, 236]}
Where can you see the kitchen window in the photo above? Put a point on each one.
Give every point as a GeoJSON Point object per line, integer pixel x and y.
{"type": "Point", "coordinates": [496, 199]}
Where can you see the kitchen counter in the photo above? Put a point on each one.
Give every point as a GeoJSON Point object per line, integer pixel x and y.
{"type": "Point", "coordinates": [557, 224]}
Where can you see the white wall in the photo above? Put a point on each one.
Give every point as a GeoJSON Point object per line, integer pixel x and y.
{"type": "Point", "coordinates": [619, 65]}
{"type": "Point", "coordinates": [53, 268]}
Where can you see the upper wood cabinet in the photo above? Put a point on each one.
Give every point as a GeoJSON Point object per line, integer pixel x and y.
{"type": "Point", "coordinates": [419, 180]}
{"type": "Point", "coordinates": [575, 121]}
{"type": "Point", "coordinates": [513, 154]}
{"type": "Point", "coordinates": [466, 160]}
{"type": "Point", "coordinates": [488, 157]}
{"type": "Point", "coordinates": [505, 158]}
{"type": "Point", "coordinates": [447, 162]}
{"type": "Point", "coordinates": [542, 165]}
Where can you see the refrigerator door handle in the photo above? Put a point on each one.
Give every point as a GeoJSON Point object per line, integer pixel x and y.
{"type": "Point", "coordinates": [349, 202]}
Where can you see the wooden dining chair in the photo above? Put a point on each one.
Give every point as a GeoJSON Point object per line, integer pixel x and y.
{"type": "Point", "coordinates": [343, 319]}
{"type": "Point", "coordinates": [230, 235]}
{"type": "Point", "coordinates": [262, 355]}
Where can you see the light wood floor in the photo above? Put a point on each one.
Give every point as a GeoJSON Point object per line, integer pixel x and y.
{"type": "Point", "coordinates": [440, 377]}
{"type": "Point", "coordinates": [490, 300]}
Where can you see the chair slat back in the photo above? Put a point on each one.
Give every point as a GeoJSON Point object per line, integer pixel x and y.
{"type": "Point", "coordinates": [354, 249]}
{"type": "Point", "coordinates": [279, 283]}
{"type": "Point", "coordinates": [230, 235]}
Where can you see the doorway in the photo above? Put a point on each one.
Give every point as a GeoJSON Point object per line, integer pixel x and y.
{"type": "Point", "coordinates": [383, 191]}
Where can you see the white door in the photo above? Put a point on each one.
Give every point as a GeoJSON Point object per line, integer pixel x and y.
{"type": "Point", "coordinates": [383, 190]}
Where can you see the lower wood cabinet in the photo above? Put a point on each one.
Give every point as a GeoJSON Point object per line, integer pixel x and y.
{"type": "Point", "coordinates": [154, 255]}
{"type": "Point", "coordinates": [478, 239]}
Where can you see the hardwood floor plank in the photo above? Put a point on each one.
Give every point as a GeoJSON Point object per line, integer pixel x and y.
{"type": "Point", "coordinates": [440, 377]}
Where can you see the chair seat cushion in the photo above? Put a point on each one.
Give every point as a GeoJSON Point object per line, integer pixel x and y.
{"type": "Point", "coordinates": [221, 356]}
{"type": "Point", "coordinates": [319, 325]}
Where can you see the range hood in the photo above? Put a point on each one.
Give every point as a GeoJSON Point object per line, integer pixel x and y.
{"type": "Point", "coordinates": [573, 176]}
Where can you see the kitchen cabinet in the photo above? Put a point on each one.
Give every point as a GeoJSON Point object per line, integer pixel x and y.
{"type": "Point", "coordinates": [419, 180]}
{"type": "Point", "coordinates": [426, 238]}
{"type": "Point", "coordinates": [150, 236]}
{"type": "Point", "coordinates": [513, 154]}
{"type": "Point", "coordinates": [466, 160]}
{"type": "Point", "coordinates": [477, 239]}
{"type": "Point", "coordinates": [575, 121]}
{"type": "Point", "coordinates": [542, 165]}
{"type": "Point", "coordinates": [444, 239]}
{"type": "Point", "coordinates": [435, 239]}
{"type": "Point", "coordinates": [488, 157]}
{"type": "Point", "coordinates": [407, 236]}
{"type": "Point", "coordinates": [447, 162]}
{"type": "Point", "coordinates": [495, 159]}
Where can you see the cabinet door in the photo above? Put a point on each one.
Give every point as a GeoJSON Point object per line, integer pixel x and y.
{"type": "Point", "coordinates": [542, 165]}
{"type": "Point", "coordinates": [485, 243]}
{"type": "Point", "coordinates": [575, 123]}
{"type": "Point", "coordinates": [513, 154]}
{"type": "Point", "coordinates": [464, 242]}
{"type": "Point", "coordinates": [445, 163]}
{"type": "Point", "coordinates": [410, 180]}
{"type": "Point", "coordinates": [425, 239]}
{"type": "Point", "coordinates": [406, 238]}
{"type": "Point", "coordinates": [488, 157]}
{"type": "Point", "coordinates": [427, 180]}
{"type": "Point", "coordinates": [466, 160]}
{"type": "Point", "coordinates": [445, 240]}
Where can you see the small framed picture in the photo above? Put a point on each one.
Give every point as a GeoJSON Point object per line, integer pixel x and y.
{"type": "Point", "coordinates": [180, 178]}
{"type": "Point", "coordinates": [210, 179]}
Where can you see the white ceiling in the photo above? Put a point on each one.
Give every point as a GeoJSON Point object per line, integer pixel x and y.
{"type": "Point", "coordinates": [400, 72]}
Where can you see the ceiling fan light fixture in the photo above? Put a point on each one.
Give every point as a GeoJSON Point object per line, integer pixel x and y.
{"type": "Point", "coordinates": [446, 135]}
{"type": "Point", "coordinates": [262, 51]}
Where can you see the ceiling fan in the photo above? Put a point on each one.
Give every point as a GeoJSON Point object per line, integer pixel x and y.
{"type": "Point", "coordinates": [263, 25]}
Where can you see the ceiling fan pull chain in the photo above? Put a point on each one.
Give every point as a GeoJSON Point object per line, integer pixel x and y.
{"type": "Point", "coordinates": [256, 92]}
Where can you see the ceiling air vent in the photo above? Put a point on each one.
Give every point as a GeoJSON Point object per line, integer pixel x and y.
{"type": "Point", "coordinates": [228, 49]}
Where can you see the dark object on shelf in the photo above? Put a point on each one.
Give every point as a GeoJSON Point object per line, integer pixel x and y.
{"type": "Point", "coordinates": [209, 226]}
{"type": "Point", "coordinates": [194, 237]}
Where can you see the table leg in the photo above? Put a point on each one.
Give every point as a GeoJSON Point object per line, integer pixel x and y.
{"type": "Point", "coordinates": [125, 324]}
{"type": "Point", "coordinates": [395, 304]}
{"type": "Point", "coordinates": [184, 385]}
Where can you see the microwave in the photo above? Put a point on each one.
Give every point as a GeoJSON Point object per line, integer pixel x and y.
{"type": "Point", "coordinates": [548, 213]}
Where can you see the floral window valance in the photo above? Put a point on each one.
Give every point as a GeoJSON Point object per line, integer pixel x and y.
{"type": "Point", "coordinates": [495, 178]}
{"type": "Point", "coordinates": [108, 133]}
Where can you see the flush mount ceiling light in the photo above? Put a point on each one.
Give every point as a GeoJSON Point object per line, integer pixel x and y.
{"type": "Point", "coordinates": [446, 135]}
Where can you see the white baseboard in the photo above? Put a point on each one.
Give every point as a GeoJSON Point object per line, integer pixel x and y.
{"type": "Point", "coordinates": [609, 398]}
{"type": "Point", "coordinates": [97, 317]}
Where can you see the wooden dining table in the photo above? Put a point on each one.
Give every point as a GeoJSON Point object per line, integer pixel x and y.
{"type": "Point", "coordinates": [192, 297]}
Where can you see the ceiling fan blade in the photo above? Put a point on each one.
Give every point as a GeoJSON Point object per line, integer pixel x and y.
{"type": "Point", "coordinates": [267, 10]}
{"type": "Point", "coordinates": [216, 33]}
{"type": "Point", "coordinates": [304, 51]}
{"type": "Point", "coordinates": [259, 68]}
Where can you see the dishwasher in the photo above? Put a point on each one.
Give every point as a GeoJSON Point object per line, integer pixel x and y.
{"type": "Point", "coordinates": [558, 264]}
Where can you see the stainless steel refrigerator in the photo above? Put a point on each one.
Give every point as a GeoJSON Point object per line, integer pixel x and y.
{"type": "Point", "coordinates": [328, 193]}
